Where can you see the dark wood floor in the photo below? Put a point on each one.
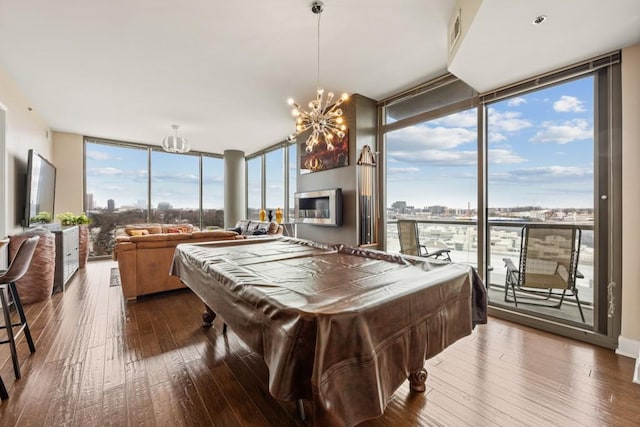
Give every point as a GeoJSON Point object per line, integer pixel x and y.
{"type": "Point", "coordinates": [101, 361]}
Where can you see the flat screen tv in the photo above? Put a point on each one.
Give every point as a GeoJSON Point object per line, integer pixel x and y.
{"type": "Point", "coordinates": [41, 186]}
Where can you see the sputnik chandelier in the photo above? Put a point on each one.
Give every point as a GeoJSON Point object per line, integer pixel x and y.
{"type": "Point", "coordinates": [175, 143]}
{"type": "Point", "coordinates": [324, 117]}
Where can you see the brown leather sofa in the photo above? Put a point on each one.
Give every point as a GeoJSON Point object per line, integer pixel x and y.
{"type": "Point", "coordinates": [145, 251]}
{"type": "Point", "coordinates": [144, 260]}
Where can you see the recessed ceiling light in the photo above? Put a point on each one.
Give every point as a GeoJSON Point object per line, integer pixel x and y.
{"type": "Point", "coordinates": [539, 19]}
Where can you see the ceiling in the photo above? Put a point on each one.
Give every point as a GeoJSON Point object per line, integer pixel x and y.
{"type": "Point", "coordinates": [223, 70]}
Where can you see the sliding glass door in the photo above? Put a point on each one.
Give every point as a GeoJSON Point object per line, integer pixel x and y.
{"type": "Point", "coordinates": [473, 170]}
{"type": "Point", "coordinates": [541, 147]}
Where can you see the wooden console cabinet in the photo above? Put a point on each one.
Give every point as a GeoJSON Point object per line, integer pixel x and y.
{"type": "Point", "coordinates": [67, 256]}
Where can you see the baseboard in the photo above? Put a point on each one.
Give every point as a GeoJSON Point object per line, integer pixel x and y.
{"type": "Point", "coordinates": [630, 348]}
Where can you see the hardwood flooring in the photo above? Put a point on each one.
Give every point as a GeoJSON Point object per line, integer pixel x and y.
{"type": "Point", "coordinates": [102, 361]}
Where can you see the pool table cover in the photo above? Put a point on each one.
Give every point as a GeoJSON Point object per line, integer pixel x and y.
{"type": "Point", "coordinates": [340, 326]}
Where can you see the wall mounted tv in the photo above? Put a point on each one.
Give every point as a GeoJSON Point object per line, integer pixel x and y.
{"type": "Point", "coordinates": [41, 186]}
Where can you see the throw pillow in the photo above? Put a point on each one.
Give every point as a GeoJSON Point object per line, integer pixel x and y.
{"type": "Point", "coordinates": [273, 227]}
{"type": "Point", "coordinates": [259, 232]}
{"type": "Point", "coordinates": [236, 229]}
{"type": "Point", "coordinates": [138, 232]}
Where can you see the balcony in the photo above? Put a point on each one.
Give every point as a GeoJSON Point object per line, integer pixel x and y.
{"type": "Point", "coordinates": [460, 237]}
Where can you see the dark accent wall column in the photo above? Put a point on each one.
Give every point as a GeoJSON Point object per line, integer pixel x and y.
{"type": "Point", "coordinates": [235, 187]}
{"type": "Point", "coordinates": [360, 114]}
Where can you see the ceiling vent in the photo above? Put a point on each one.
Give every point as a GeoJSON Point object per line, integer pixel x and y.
{"type": "Point", "coordinates": [454, 31]}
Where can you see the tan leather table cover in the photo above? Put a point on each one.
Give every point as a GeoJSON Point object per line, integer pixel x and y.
{"type": "Point", "coordinates": [340, 326]}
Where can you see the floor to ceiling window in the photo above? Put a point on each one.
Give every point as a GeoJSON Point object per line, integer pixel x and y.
{"type": "Point", "coordinates": [254, 187]}
{"type": "Point", "coordinates": [431, 178]}
{"type": "Point", "coordinates": [473, 170]}
{"type": "Point", "coordinates": [116, 190]}
{"type": "Point", "coordinates": [130, 183]}
{"type": "Point", "coordinates": [271, 182]}
{"type": "Point", "coordinates": [175, 188]}
{"type": "Point", "coordinates": [541, 170]}
{"type": "Point", "coordinates": [274, 180]}
{"type": "Point", "coordinates": [212, 192]}
{"type": "Point", "coordinates": [293, 174]}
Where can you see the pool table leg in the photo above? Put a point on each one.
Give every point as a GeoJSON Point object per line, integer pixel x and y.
{"type": "Point", "coordinates": [417, 380]}
{"type": "Point", "coordinates": [208, 317]}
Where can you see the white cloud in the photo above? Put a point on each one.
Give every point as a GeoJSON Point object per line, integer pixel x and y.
{"type": "Point", "coordinates": [452, 158]}
{"type": "Point", "coordinates": [98, 155]}
{"type": "Point", "coordinates": [496, 137]}
{"type": "Point", "coordinates": [399, 171]}
{"type": "Point", "coordinates": [556, 174]}
{"type": "Point", "coordinates": [426, 137]}
{"type": "Point", "coordinates": [573, 130]}
{"type": "Point", "coordinates": [465, 119]}
{"type": "Point", "coordinates": [502, 156]}
{"type": "Point", "coordinates": [213, 179]}
{"type": "Point", "coordinates": [514, 102]}
{"type": "Point", "coordinates": [183, 178]}
{"type": "Point", "coordinates": [568, 104]}
{"type": "Point", "coordinates": [508, 121]}
{"type": "Point", "coordinates": [109, 171]}
{"type": "Point", "coordinates": [438, 157]}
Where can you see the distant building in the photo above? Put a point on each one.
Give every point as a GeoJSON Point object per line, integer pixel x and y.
{"type": "Point", "coordinates": [436, 210]}
{"type": "Point", "coordinates": [111, 205]}
{"type": "Point", "coordinates": [163, 206]}
{"type": "Point", "coordinates": [400, 207]}
{"type": "Point", "coordinates": [89, 202]}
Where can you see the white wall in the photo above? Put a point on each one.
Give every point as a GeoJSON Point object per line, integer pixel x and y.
{"type": "Point", "coordinates": [24, 129]}
{"type": "Point", "coordinates": [68, 157]}
{"type": "Point", "coordinates": [631, 198]}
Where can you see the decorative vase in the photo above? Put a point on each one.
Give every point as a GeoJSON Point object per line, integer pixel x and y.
{"type": "Point", "coordinates": [263, 215]}
{"type": "Point", "coordinates": [270, 216]}
{"type": "Point", "coordinates": [37, 283]}
{"type": "Point", "coordinates": [279, 216]}
{"type": "Point", "coordinates": [83, 244]}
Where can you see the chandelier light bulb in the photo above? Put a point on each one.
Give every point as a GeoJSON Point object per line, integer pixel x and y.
{"type": "Point", "coordinates": [324, 116]}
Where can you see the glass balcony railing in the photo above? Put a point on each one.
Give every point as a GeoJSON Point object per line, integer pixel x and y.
{"type": "Point", "coordinates": [461, 237]}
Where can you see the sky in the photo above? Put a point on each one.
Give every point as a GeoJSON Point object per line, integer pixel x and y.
{"type": "Point", "coordinates": [120, 173]}
{"type": "Point", "coordinates": [541, 149]}
{"type": "Point", "coordinates": [540, 153]}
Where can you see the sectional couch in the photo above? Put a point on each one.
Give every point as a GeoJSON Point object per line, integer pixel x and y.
{"type": "Point", "coordinates": [145, 251]}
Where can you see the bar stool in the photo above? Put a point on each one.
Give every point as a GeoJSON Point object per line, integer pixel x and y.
{"type": "Point", "coordinates": [17, 268]}
{"type": "Point", "coordinates": [3, 391]}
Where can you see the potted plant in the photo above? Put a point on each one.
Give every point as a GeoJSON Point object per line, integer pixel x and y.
{"type": "Point", "coordinates": [82, 221]}
{"type": "Point", "coordinates": [42, 218]}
